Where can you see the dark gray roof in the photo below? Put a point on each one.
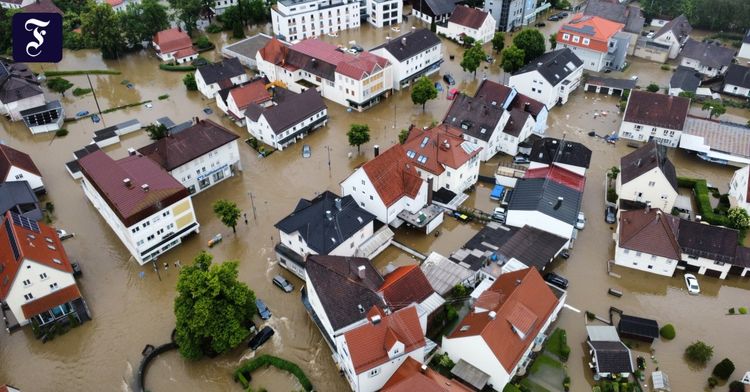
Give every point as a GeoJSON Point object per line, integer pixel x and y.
{"type": "Point", "coordinates": [685, 78]}
{"type": "Point", "coordinates": [646, 158]}
{"type": "Point", "coordinates": [638, 326]}
{"type": "Point", "coordinates": [708, 54]}
{"type": "Point", "coordinates": [290, 109]}
{"type": "Point", "coordinates": [345, 297]}
{"type": "Point", "coordinates": [516, 121]}
{"type": "Point", "coordinates": [17, 82]}
{"type": "Point", "coordinates": [630, 16]}
{"type": "Point", "coordinates": [533, 247]}
{"type": "Point", "coordinates": [738, 75]}
{"type": "Point", "coordinates": [612, 357]}
{"type": "Point", "coordinates": [250, 46]}
{"type": "Point", "coordinates": [626, 84]}
{"type": "Point", "coordinates": [679, 26]}
{"type": "Point", "coordinates": [712, 242]}
{"type": "Point", "coordinates": [553, 66]}
{"type": "Point", "coordinates": [410, 44]}
{"type": "Point", "coordinates": [474, 116]}
{"type": "Point", "coordinates": [18, 196]}
{"type": "Point", "coordinates": [540, 194]}
{"type": "Point", "coordinates": [546, 150]}
{"type": "Point", "coordinates": [434, 7]}
{"type": "Point", "coordinates": [223, 70]}
{"type": "Point", "coordinates": [320, 233]}
{"type": "Point", "coordinates": [486, 242]}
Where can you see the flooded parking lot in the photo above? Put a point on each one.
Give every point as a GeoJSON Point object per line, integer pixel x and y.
{"type": "Point", "coordinates": [130, 312]}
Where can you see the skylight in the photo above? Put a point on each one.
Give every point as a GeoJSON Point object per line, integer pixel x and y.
{"type": "Point", "coordinates": [422, 159]}
{"type": "Point", "coordinates": [411, 154]}
{"type": "Point", "coordinates": [424, 141]}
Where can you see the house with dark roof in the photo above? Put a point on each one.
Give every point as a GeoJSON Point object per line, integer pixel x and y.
{"type": "Point", "coordinates": [718, 141]}
{"type": "Point", "coordinates": [549, 78]}
{"type": "Point", "coordinates": [211, 78]}
{"type": "Point", "coordinates": [19, 90]}
{"type": "Point", "coordinates": [42, 6]}
{"type": "Point", "coordinates": [13, 4]}
{"type": "Point", "coordinates": [412, 376]}
{"type": "Point", "coordinates": [289, 118]}
{"type": "Point", "coordinates": [654, 116]}
{"type": "Point", "coordinates": [571, 156]}
{"type": "Point", "coordinates": [508, 321]}
{"type": "Point", "coordinates": [17, 197]}
{"type": "Point", "coordinates": [16, 165]}
{"type": "Point", "coordinates": [610, 357]}
{"type": "Point", "coordinates": [600, 43]}
{"type": "Point", "coordinates": [36, 277]}
{"type": "Point", "coordinates": [737, 81]}
{"type": "Point", "coordinates": [709, 58]}
{"type": "Point", "coordinates": [638, 328]}
{"type": "Point", "coordinates": [233, 101]}
{"type": "Point", "coordinates": [246, 49]}
{"type": "Point", "coordinates": [433, 10]}
{"type": "Point", "coordinates": [147, 208]}
{"type": "Point", "coordinates": [630, 16]}
{"type": "Point", "coordinates": [412, 55]}
{"type": "Point", "coordinates": [45, 118]}
{"type": "Point", "coordinates": [739, 189]}
{"type": "Point", "coordinates": [471, 22]}
{"type": "Point", "coordinates": [744, 52]}
{"type": "Point", "coordinates": [648, 177]}
{"type": "Point", "coordinates": [674, 34]}
{"type": "Point", "coordinates": [174, 45]}
{"type": "Point", "coordinates": [684, 79]}
{"type": "Point", "coordinates": [198, 157]}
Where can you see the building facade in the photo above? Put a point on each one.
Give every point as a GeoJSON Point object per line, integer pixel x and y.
{"type": "Point", "coordinates": [16, 165]}
{"type": "Point", "coordinates": [295, 21]}
{"type": "Point", "coordinates": [211, 78]}
{"type": "Point", "coordinates": [654, 116]}
{"type": "Point", "coordinates": [412, 55]}
{"type": "Point", "coordinates": [598, 42]}
{"type": "Point", "coordinates": [710, 59]}
{"type": "Point", "coordinates": [739, 189]}
{"type": "Point", "coordinates": [648, 177]}
{"type": "Point", "coordinates": [174, 45]}
{"type": "Point", "coordinates": [550, 78]}
{"type": "Point", "coordinates": [469, 22]}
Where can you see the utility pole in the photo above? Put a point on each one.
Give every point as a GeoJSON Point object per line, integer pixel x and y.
{"type": "Point", "coordinates": [93, 92]}
{"type": "Point", "coordinates": [328, 148]}
{"type": "Point", "coordinates": [252, 203]}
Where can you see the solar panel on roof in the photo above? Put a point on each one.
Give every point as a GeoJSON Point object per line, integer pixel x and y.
{"type": "Point", "coordinates": [12, 240]}
{"type": "Point", "coordinates": [25, 222]}
{"type": "Point", "coordinates": [3, 71]}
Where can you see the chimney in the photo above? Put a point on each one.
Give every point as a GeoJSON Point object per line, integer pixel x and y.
{"type": "Point", "coordinates": [337, 201]}
{"type": "Point", "coordinates": [559, 203]}
{"type": "Point", "coordinates": [376, 150]}
{"type": "Point", "coordinates": [403, 41]}
{"type": "Point", "coordinates": [375, 319]}
{"type": "Point", "coordinates": [527, 107]}
{"type": "Point", "coordinates": [518, 282]}
{"type": "Point", "coordinates": [492, 314]}
{"type": "Point", "coordinates": [361, 272]}
{"type": "Point", "coordinates": [127, 183]}
{"type": "Point", "coordinates": [145, 187]}
{"type": "Point", "coordinates": [423, 369]}
{"type": "Point", "coordinates": [329, 216]}
{"type": "Point", "coordinates": [429, 189]}
{"type": "Point", "coordinates": [648, 207]}
{"type": "Point", "coordinates": [131, 151]}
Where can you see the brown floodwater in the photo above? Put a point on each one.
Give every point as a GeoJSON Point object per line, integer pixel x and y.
{"type": "Point", "coordinates": [130, 312]}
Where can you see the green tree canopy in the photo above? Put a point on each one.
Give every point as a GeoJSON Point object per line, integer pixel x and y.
{"type": "Point", "coordinates": [156, 132]}
{"type": "Point", "coordinates": [498, 41]}
{"type": "Point", "coordinates": [6, 30]}
{"type": "Point", "coordinates": [724, 369]}
{"type": "Point", "coordinates": [473, 57]}
{"type": "Point", "coordinates": [189, 81]}
{"type": "Point", "coordinates": [699, 352]}
{"type": "Point", "coordinates": [531, 41]}
{"type": "Point", "coordinates": [213, 309]}
{"type": "Point", "coordinates": [715, 108]}
{"type": "Point", "coordinates": [100, 26]}
{"type": "Point", "coordinates": [423, 91]}
{"type": "Point", "coordinates": [141, 21]}
{"type": "Point", "coordinates": [468, 41]}
{"type": "Point", "coordinates": [228, 213]}
{"type": "Point", "coordinates": [716, 15]}
{"type": "Point", "coordinates": [653, 87]}
{"type": "Point", "coordinates": [254, 11]}
{"type": "Point", "coordinates": [232, 18]}
{"type": "Point", "coordinates": [187, 11]}
{"type": "Point", "coordinates": [552, 41]}
{"type": "Point", "coordinates": [358, 135]}
{"type": "Point", "coordinates": [738, 218]}
{"type": "Point", "coordinates": [512, 59]}
{"type": "Point", "coordinates": [59, 85]}
{"type": "Point", "coordinates": [403, 135]}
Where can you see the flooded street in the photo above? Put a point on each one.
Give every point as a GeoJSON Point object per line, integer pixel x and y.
{"type": "Point", "coordinates": [130, 312]}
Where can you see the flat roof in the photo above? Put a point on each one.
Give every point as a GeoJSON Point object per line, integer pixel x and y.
{"type": "Point", "coordinates": [722, 136]}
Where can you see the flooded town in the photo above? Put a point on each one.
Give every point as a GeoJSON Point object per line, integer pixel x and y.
{"type": "Point", "coordinates": [412, 207]}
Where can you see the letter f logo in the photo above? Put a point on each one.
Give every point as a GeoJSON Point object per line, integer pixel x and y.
{"type": "Point", "coordinates": [37, 37]}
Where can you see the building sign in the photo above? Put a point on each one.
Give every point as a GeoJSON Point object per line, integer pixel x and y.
{"type": "Point", "coordinates": [208, 174]}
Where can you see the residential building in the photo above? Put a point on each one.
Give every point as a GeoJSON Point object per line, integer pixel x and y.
{"type": "Point", "coordinates": [211, 78]}
{"type": "Point", "coordinates": [744, 52]}
{"type": "Point", "coordinates": [443, 274]}
{"type": "Point", "coordinates": [654, 116]}
{"type": "Point", "coordinates": [506, 323]}
{"type": "Point", "coordinates": [119, 5]}
{"type": "Point", "coordinates": [710, 59]}
{"type": "Point", "coordinates": [527, 247]}
{"type": "Point", "coordinates": [550, 78]}
{"type": "Point", "coordinates": [737, 81]}
{"type": "Point", "coordinates": [433, 10]}
{"type": "Point", "coordinates": [739, 189]}
{"type": "Point", "coordinates": [246, 49]}
{"type": "Point", "coordinates": [471, 22]}
{"type": "Point", "coordinates": [407, 285]}
{"type": "Point", "coordinates": [382, 13]}
{"type": "Point", "coordinates": [357, 81]}
{"type": "Point", "coordinates": [198, 157]}
{"type": "Point", "coordinates": [413, 55]}
{"type": "Point", "coordinates": [508, 14]}
{"type": "Point", "coordinates": [17, 197]}
{"type": "Point", "coordinates": [412, 376]}
{"type": "Point", "coordinates": [15, 3]}
{"type": "Point", "coordinates": [148, 209]}
{"type": "Point", "coordinates": [19, 90]}
{"type": "Point", "coordinates": [721, 142]}
{"type": "Point", "coordinates": [609, 86]}
{"type": "Point", "coordinates": [18, 166]}
{"type": "Point", "coordinates": [324, 225]}
{"type": "Point", "coordinates": [598, 42]}
{"type": "Point", "coordinates": [234, 101]}
{"type": "Point", "coordinates": [674, 34]}
{"type": "Point", "coordinates": [648, 178]}
{"type": "Point", "coordinates": [610, 357]}
{"type": "Point", "coordinates": [684, 79]}
{"type": "Point", "coordinates": [174, 45]}
{"type": "Point", "coordinates": [40, 6]}
{"type": "Point", "coordinates": [571, 156]}
{"type": "Point", "coordinates": [45, 118]}
{"type": "Point", "coordinates": [5, 387]}
{"type": "Point", "coordinates": [629, 15]}
{"type": "Point", "coordinates": [37, 278]}
{"type": "Point", "coordinates": [221, 5]}
{"type": "Point", "coordinates": [290, 118]}
{"type": "Point", "coordinates": [532, 8]}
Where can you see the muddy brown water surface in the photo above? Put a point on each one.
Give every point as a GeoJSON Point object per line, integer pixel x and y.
{"type": "Point", "coordinates": [130, 312]}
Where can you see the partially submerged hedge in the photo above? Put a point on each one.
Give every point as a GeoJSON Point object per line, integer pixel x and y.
{"type": "Point", "coordinates": [266, 360]}
{"type": "Point", "coordinates": [82, 72]}
{"type": "Point", "coordinates": [700, 188]}
{"type": "Point", "coordinates": [176, 68]}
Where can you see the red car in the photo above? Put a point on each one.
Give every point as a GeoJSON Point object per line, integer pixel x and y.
{"type": "Point", "coordinates": [452, 94]}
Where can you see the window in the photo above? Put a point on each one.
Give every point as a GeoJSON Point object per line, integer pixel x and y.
{"type": "Point", "coordinates": [43, 276]}
{"type": "Point", "coordinates": [566, 37]}
{"type": "Point", "coordinates": [576, 39]}
{"type": "Point", "coordinates": [19, 176]}
{"type": "Point", "coordinates": [53, 286]}
{"type": "Point", "coordinates": [28, 296]}
{"type": "Point", "coordinates": [151, 237]}
{"type": "Point", "coordinates": [374, 372]}
{"type": "Point", "coordinates": [371, 197]}
{"type": "Point", "coordinates": [637, 254]}
{"type": "Point", "coordinates": [626, 251]}
{"type": "Point", "coordinates": [204, 183]}
{"type": "Point", "coordinates": [26, 283]}
{"type": "Point", "coordinates": [651, 183]}
{"type": "Point", "coordinates": [586, 41]}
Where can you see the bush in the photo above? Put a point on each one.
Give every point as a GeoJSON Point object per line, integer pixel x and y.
{"type": "Point", "coordinates": [699, 352]}
{"type": "Point", "coordinates": [702, 198]}
{"type": "Point", "coordinates": [712, 382]}
{"type": "Point", "coordinates": [666, 67]}
{"type": "Point", "coordinates": [653, 87]}
{"type": "Point", "coordinates": [611, 195]}
{"type": "Point", "coordinates": [511, 388]}
{"type": "Point", "coordinates": [451, 314]}
{"type": "Point", "coordinates": [736, 386]}
{"type": "Point", "coordinates": [81, 91]}
{"type": "Point", "coordinates": [668, 332]}
{"type": "Point", "coordinates": [163, 97]}
{"type": "Point", "coordinates": [50, 74]}
{"type": "Point", "coordinates": [723, 369]}
{"type": "Point", "coordinates": [743, 310]}
{"type": "Point", "coordinates": [460, 291]}
{"type": "Point", "coordinates": [731, 310]}
{"type": "Point", "coordinates": [266, 360]}
{"type": "Point", "coordinates": [590, 316]}
{"type": "Point", "coordinates": [176, 68]}
{"type": "Point", "coordinates": [213, 28]}
{"type": "Point", "coordinates": [61, 132]}
{"type": "Point", "coordinates": [445, 361]}
{"type": "Point", "coordinates": [203, 43]}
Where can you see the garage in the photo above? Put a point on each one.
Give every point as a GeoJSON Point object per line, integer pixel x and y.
{"type": "Point", "coordinates": [609, 86]}
{"type": "Point", "coordinates": [713, 273]}
{"type": "Point", "coordinates": [590, 88]}
{"type": "Point", "coordinates": [604, 90]}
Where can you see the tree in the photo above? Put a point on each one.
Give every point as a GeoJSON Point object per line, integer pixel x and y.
{"type": "Point", "coordinates": [736, 386]}
{"type": "Point", "coordinates": [189, 81]}
{"type": "Point", "coordinates": [498, 42]}
{"type": "Point", "coordinates": [213, 309]}
{"type": "Point", "coordinates": [188, 11]}
{"type": "Point", "coordinates": [699, 352]}
{"type": "Point", "coordinates": [653, 87]}
{"type": "Point", "coordinates": [512, 59]}
{"type": "Point", "coordinates": [468, 41]}
{"type": "Point", "coordinates": [6, 29]}
{"type": "Point", "coordinates": [403, 136]}
{"type": "Point", "coordinates": [232, 19]}
{"type": "Point", "coordinates": [738, 218]}
{"type": "Point", "coordinates": [100, 26]}
{"type": "Point", "coordinates": [59, 85]}
{"type": "Point", "coordinates": [156, 132]}
{"type": "Point", "coordinates": [358, 135]}
{"type": "Point", "coordinates": [715, 108]}
{"type": "Point", "coordinates": [668, 332]}
{"type": "Point", "coordinates": [253, 11]}
{"type": "Point", "coordinates": [423, 91]}
{"type": "Point", "coordinates": [228, 213]}
{"type": "Point", "coordinates": [531, 41]}
{"type": "Point", "coordinates": [724, 369]}
{"type": "Point", "coordinates": [552, 41]}
{"type": "Point", "coordinates": [141, 21]}
{"type": "Point", "coordinates": [473, 58]}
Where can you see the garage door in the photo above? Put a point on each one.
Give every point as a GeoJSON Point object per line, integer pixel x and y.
{"type": "Point", "coordinates": [616, 92]}
{"type": "Point", "coordinates": [591, 88]}
{"type": "Point", "coordinates": [713, 273]}
{"type": "Point", "coordinates": [604, 90]}
{"type": "Point", "coordinates": [691, 268]}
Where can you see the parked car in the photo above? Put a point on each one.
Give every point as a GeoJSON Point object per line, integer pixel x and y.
{"type": "Point", "coordinates": [439, 87]}
{"type": "Point", "coordinates": [283, 284]}
{"type": "Point", "coordinates": [261, 337]}
{"type": "Point", "coordinates": [580, 221]}
{"type": "Point", "coordinates": [521, 160]}
{"type": "Point", "coordinates": [358, 48]}
{"type": "Point", "coordinates": [692, 284]}
{"type": "Point", "coordinates": [306, 151]}
{"type": "Point", "coordinates": [76, 269]}
{"type": "Point", "coordinates": [506, 197]}
{"type": "Point", "coordinates": [500, 218]}
{"type": "Point", "coordinates": [565, 254]}
{"type": "Point", "coordinates": [208, 110]}
{"type": "Point", "coordinates": [447, 78]}
{"type": "Point", "coordinates": [610, 214]}
{"type": "Point", "coordinates": [564, 14]}
{"type": "Point", "coordinates": [452, 94]}
{"type": "Point", "coordinates": [553, 18]}
{"type": "Point", "coordinates": [540, 24]}
{"type": "Point", "coordinates": [489, 59]}
{"type": "Point", "coordinates": [263, 310]}
{"type": "Point", "coordinates": [95, 118]}
{"type": "Point", "coordinates": [82, 113]}
{"type": "Point", "coordinates": [556, 280]}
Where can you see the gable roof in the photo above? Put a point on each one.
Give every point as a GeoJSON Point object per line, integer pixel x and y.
{"type": "Point", "coordinates": [685, 78]}
{"type": "Point", "coordinates": [254, 92]}
{"type": "Point", "coordinates": [439, 147]}
{"type": "Point", "coordinates": [548, 150]}
{"type": "Point", "coordinates": [598, 30]}
{"type": "Point", "coordinates": [320, 233]}
{"type": "Point", "coordinates": [410, 44]}
{"type": "Point", "coordinates": [679, 26]}
{"type": "Point", "coordinates": [467, 16]}
{"type": "Point", "coordinates": [17, 82]}
{"type": "Point", "coordinates": [172, 40]}
{"type": "Point", "coordinates": [646, 158]}
{"type": "Point", "coordinates": [42, 6]}
{"type": "Point", "coordinates": [708, 54]}
{"type": "Point", "coordinates": [342, 293]}
{"type": "Point", "coordinates": [10, 157]}
{"type": "Point", "coordinates": [434, 7]}
{"type": "Point", "coordinates": [542, 195]}
{"type": "Point", "coordinates": [221, 71]}
{"type": "Point", "coordinates": [51, 300]}
{"type": "Point", "coordinates": [532, 246]}
{"type": "Point", "coordinates": [554, 66]}
{"type": "Point", "coordinates": [409, 377]}
{"type": "Point", "coordinates": [517, 119]}
{"type": "Point", "coordinates": [630, 16]}
{"type": "Point", "coordinates": [178, 149]}
{"type": "Point", "coordinates": [478, 116]}
{"type": "Point", "coordinates": [290, 109]}
{"type": "Point", "coordinates": [527, 104]}
{"type": "Point", "coordinates": [559, 175]}
{"type": "Point", "coordinates": [738, 75]}
{"type": "Point", "coordinates": [404, 286]}
{"type": "Point", "coordinates": [650, 232]}
{"type": "Point", "coordinates": [393, 176]}
{"type": "Point", "coordinates": [309, 53]}
{"type": "Point", "coordinates": [638, 326]}
{"type": "Point", "coordinates": [659, 110]}
{"type": "Point", "coordinates": [19, 193]}
{"type": "Point", "coordinates": [709, 241]}
{"type": "Point", "coordinates": [521, 302]}
{"type": "Point", "coordinates": [612, 357]}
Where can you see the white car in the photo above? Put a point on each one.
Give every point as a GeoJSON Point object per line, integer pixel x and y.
{"type": "Point", "coordinates": [692, 284]}
{"type": "Point", "coordinates": [580, 221]}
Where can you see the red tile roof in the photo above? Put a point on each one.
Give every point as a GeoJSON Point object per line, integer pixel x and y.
{"type": "Point", "coordinates": [42, 6]}
{"type": "Point", "coordinates": [49, 301]}
{"type": "Point", "coordinates": [354, 66]}
{"type": "Point", "coordinates": [131, 204]}
{"type": "Point", "coordinates": [186, 52]}
{"type": "Point", "coordinates": [43, 247]}
{"type": "Point", "coordinates": [253, 92]}
{"type": "Point", "coordinates": [659, 110]}
{"type": "Point", "coordinates": [393, 176]}
{"type": "Point", "coordinates": [559, 175]}
{"type": "Point", "coordinates": [442, 149]}
{"type": "Point", "coordinates": [469, 17]}
{"type": "Point", "coordinates": [172, 40]}
{"type": "Point", "coordinates": [404, 286]}
{"type": "Point", "coordinates": [652, 232]}
{"type": "Point", "coordinates": [524, 302]}
{"type": "Point", "coordinates": [114, 3]}
{"type": "Point", "coordinates": [274, 52]}
{"type": "Point", "coordinates": [409, 377]}
{"type": "Point", "coordinates": [598, 30]}
{"type": "Point", "coordinates": [369, 344]}
{"type": "Point", "coordinates": [10, 157]}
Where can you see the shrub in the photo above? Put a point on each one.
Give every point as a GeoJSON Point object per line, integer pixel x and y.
{"type": "Point", "coordinates": [590, 316]}
{"type": "Point", "coordinates": [653, 87]}
{"type": "Point", "coordinates": [731, 310]}
{"type": "Point", "coordinates": [712, 382]}
{"type": "Point", "coordinates": [266, 360]}
{"type": "Point", "coordinates": [724, 369]}
{"type": "Point", "coordinates": [699, 352]}
{"type": "Point", "coordinates": [666, 67]}
{"type": "Point", "coordinates": [611, 195]}
{"type": "Point", "coordinates": [213, 28]}
{"type": "Point", "coordinates": [743, 310]}
{"type": "Point", "coordinates": [61, 132]}
{"type": "Point", "coordinates": [451, 313]}
{"type": "Point", "coordinates": [163, 97]}
{"type": "Point", "coordinates": [445, 361]}
{"type": "Point", "coordinates": [736, 386]}
{"type": "Point", "coordinates": [203, 43]}
{"type": "Point", "coordinates": [81, 91]}
{"type": "Point", "coordinates": [460, 291]}
{"type": "Point", "coordinates": [50, 74]}
{"type": "Point", "coordinates": [176, 68]}
{"type": "Point", "coordinates": [511, 388]}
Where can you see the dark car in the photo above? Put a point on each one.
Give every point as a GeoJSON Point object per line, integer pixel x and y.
{"type": "Point", "coordinates": [540, 24]}
{"type": "Point", "coordinates": [521, 160]}
{"type": "Point", "coordinates": [261, 337]}
{"type": "Point", "coordinates": [610, 214]}
{"type": "Point", "coordinates": [283, 284]}
{"type": "Point", "coordinates": [556, 280]}
{"type": "Point", "coordinates": [564, 14]}
{"type": "Point", "coordinates": [263, 310]}
{"type": "Point", "coordinates": [358, 48]}
{"type": "Point", "coordinates": [553, 18]}
{"type": "Point", "coordinates": [449, 79]}
{"type": "Point", "coordinates": [565, 254]}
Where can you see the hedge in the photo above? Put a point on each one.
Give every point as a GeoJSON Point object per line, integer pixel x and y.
{"type": "Point", "coordinates": [266, 360]}
{"type": "Point", "coordinates": [82, 72]}
{"type": "Point", "coordinates": [81, 91]}
{"type": "Point", "coordinates": [176, 68]}
{"type": "Point", "coordinates": [125, 106]}
{"type": "Point", "coordinates": [700, 188]}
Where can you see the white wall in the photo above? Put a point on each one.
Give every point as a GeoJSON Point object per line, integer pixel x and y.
{"type": "Point", "coordinates": [643, 261]}
{"type": "Point", "coordinates": [373, 379]}
{"type": "Point", "coordinates": [358, 186]}
{"type": "Point", "coordinates": [650, 187]}
{"type": "Point", "coordinates": [670, 39]}
{"type": "Point", "coordinates": [744, 51]}
{"type": "Point", "coordinates": [483, 34]}
{"type": "Point", "coordinates": [592, 60]}
{"type": "Point", "coordinates": [706, 265]}
{"type": "Point", "coordinates": [38, 288]}
{"type": "Point", "coordinates": [664, 136]}
{"type": "Point", "coordinates": [534, 85]}
{"type": "Point", "coordinates": [209, 90]}
{"type": "Point", "coordinates": [287, 20]}
{"type": "Point", "coordinates": [737, 90]}
{"type": "Point", "coordinates": [384, 13]}
{"type": "Point", "coordinates": [214, 166]}
{"type": "Point", "coordinates": [297, 244]}
{"type": "Point", "coordinates": [261, 129]}
{"type": "Point", "coordinates": [17, 174]}
{"type": "Point", "coordinates": [521, 218]}
{"type": "Point", "coordinates": [575, 169]}
{"type": "Point", "coordinates": [455, 180]}
{"type": "Point", "coordinates": [738, 188]}
{"type": "Point", "coordinates": [412, 65]}
{"type": "Point", "coordinates": [701, 68]}
{"type": "Point", "coordinates": [474, 350]}
{"type": "Point", "coordinates": [14, 109]}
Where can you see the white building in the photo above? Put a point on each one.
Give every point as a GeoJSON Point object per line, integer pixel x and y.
{"type": "Point", "coordinates": [550, 78]}
{"type": "Point", "coordinates": [739, 189]}
{"type": "Point", "coordinates": [295, 21]}
{"type": "Point", "coordinates": [737, 81]}
{"type": "Point", "coordinates": [291, 117]}
{"type": "Point", "coordinates": [674, 34]}
{"type": "Point", "coordinates": [744, 52]}
{"type": "Point", "coordinates": [469, 22]}
{"type": "Point", "coordinates": [571, 156]}
{"type": "Point", "coordinates": [710, 59]}
{"type": "Point", "coordinates": [429, 10]}
{"type": "Point", "coordinates": [14, 4]}
{"type": "Point", "coordinates": [174, 45]}
{"type": "Point", "coordinates": [508, 321]}
{"type": "Point", "coordinates": [149, 210]}
{"type": "Point", "coordinates": [412, 55]}
{"type": "Point", "coordinates": [654, 116]}
{"type": "Point", "coordinates": [19, 90]}
{"type": "Point", "coordinates": [211, 78]}
{"type": "Point", "coordinates": [18, 166]}
{"type": "Point", "coordinates": [684, 79]}
{"type": "Point", "coordinates": [358, 81]}
{"type": "Point", "coordinates": [648, 177]}
{"type": "Point", "coordinates": [234, 101]}
{"type": "Point", "coordinates": [600, 43]}
{"type": "Point", "coordinates": [221, 5]}
{"type": "Point", "coordinates": [382, 13]}
{"type": "Point", "coordinates": [508, 14]}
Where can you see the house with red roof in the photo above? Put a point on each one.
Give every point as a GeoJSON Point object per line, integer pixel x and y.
{"type": "Point", "coordinates": [16, 165]}
{"type": "Point", "coordinates": [357, 81]}
{"type": "Point", "coordinates": [233, 101]}
{"type": "Point", "coordinates": [174, 45]}
{"type": "Point", "coordinates": [739, 189]}
{"type": "Point", "coordinates": [600, 43]}
{"type": "Point", "coordinates": [471, 22]}
{"type": "Point", "coordinates": [36, 276]}
{"type": "Point", "coordinates": [493, 342]}
{"type": "Point", "coordinates": [414, 376]}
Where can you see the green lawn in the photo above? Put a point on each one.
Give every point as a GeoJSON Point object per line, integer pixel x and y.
{"type": "Point", "coordinates": [557, 343]}
{"type": "Point", "coordinates": [544, 360]}
{"type": "Point", "coordinates": [532, 386]}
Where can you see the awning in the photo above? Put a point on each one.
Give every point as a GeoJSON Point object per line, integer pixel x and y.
{"type": "Point", "coordinates": [475, 377]}
{"type": "Point", "coordinates": [56, 298]}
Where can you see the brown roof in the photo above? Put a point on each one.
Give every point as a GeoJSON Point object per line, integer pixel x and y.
{"type": "Point", "coordinates": [369, 344]}
{"type": "Point", "coordinates": [49, 301]}
{"type": "Point", "coordinates": [409, 377]}
{"type": "Point", "coordinates": [274, 52]}
{"type": "Point", "coordinates": [443, 148]}
{"type": "Point", "coordinates": [176, 150]}
{"type": "Point", "coordinates": [469, 17]}
{"type": "Point", "coordinates": [528, 104]}
{"type": "Point", "coordinates": [645, 159]}
{"type": "Point", "coordinates": [253, 92]}
{"type": "Point", "coordinates": [172, 40]}
{"type": "Point", "coordinates": [657, 110]}
{"type": "Point", "coordinates": [404, 286]}
{"type": "Point", "coordinates": [10, 157]}
{"type": "Point", "coordinates": [185, 52]}
{"type": "Point", "coordinates": [393, 176]}
{"type": "Point", "coordinates": [131, 204]}
{"type": "Point", "coordinates": [42, 6]}
{"type": "Point", "coordinates": [520, 300]}
{"type": "Point", "coordinates": [652, 232]}
{"type": "Point", "coordinates": [516, 121]}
